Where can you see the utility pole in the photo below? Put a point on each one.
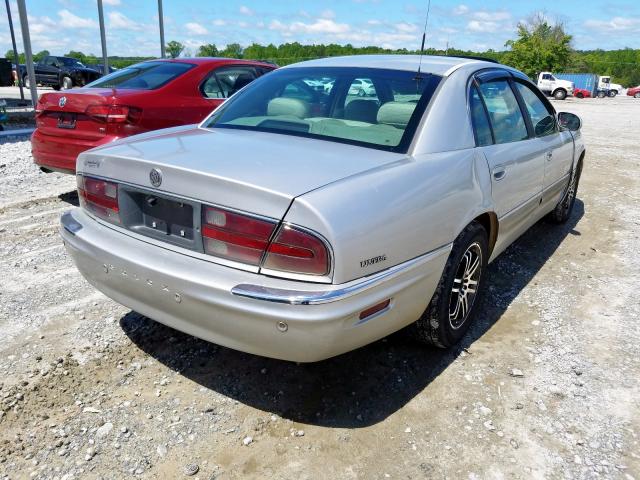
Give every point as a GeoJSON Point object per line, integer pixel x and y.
{"type": "Point", "coordinates": [103, 40]}
{"type": "Point", "coordinates": [163, 53]}
{"type": "Point", "coordinates": [15, 53]}
{"type": "Point", "coordinates": [26, 40]}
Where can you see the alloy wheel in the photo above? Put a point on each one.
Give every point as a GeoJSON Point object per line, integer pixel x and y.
{"type": "Point", "coordinates": [570, 196]}
{"type": "Point", "coordinates": [465, 286]}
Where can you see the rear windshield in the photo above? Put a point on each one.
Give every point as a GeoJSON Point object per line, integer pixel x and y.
{"type": "Point", "coordinates": [143, 76]}
{"type": "Point", "coordinates": [376, 108]}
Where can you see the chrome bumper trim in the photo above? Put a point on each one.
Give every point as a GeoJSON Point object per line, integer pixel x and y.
{"type": "Point", "coordinates": [306, 297]}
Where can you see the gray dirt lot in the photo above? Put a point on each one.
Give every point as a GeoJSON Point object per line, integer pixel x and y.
{"type": "Point", "coordinates": [545, 385]}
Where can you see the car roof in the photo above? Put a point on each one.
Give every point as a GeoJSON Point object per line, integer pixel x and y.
{"type": "Point", "coordinates": [210, 60]}
{"type": "Point", "coordinates": [438, 65]}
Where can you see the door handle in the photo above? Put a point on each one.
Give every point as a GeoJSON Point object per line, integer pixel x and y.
{"type": "Point", "coordinates": [549, 155]}
{"type": "Point", "coordinates": [499, 173]}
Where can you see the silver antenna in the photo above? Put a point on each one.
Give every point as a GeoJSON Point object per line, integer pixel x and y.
{"type": "Point", "coordinates": [424, 36]}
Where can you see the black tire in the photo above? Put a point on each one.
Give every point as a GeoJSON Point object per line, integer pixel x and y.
{"type": "Point", "coordinates": [613, 93]}
{"type": "Point", "coordinates": [436, 327]}
{"type": "Point", "coordinates": [637, 95]}
{"type": "Point", "coordinates": [66, 83]}
{"type": "Point", "coordinates": [602, 94]}
{"type": "Point", "coordinates": [560, 94]}
{"type": "Point", "coordinates": [579, 95]}
{"type": "Point", "coordinates": [561, 213]}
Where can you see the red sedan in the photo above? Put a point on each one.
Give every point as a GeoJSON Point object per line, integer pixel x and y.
{"type": "Point", "coordinates": [146, 96]}
{"type": "Point", "coordinates": [634, 92]}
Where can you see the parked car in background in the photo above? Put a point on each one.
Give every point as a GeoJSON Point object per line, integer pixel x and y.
{"type": "Point", "coordinates": [362, 87]}
{"type": "Point", "coordinates": [146, 96]}
{"type": "Point", "coordinates": [634, 92]}
{"type": "Point", "coordinates": [581, 93]}
{"type": "Point", "coordinates": [302, 230]}
{"type": "Point", "coordinates": [61, 73]}
{"type": "Point", "coordinates": [554, 87]}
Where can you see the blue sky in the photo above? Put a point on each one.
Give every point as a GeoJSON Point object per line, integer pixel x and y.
{"type": "Point", "coordinates": [132, 26]}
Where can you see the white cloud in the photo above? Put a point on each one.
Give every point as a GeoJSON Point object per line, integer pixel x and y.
{"type": "Point", "coordinates": [113, 3]}
{"type": "Point", "coordinates": [118, 20]}
{"type": "Point", "coordinates": [218, 22]}
{"type": "Point", "coordinates": [484, 27]}
{"type": "Point", "coordinates": [244, 10]}
{"type": "Point", "coordinates": [196, 29]}
{"type": "Point", "coordinates": [405, 27]}
{"type": "Point", "coordinates": [618, 24]}
{"type": "Point", "coordinates": [69, 20]}
{"type": "Point", "coordinates": [322, 25]}
{"type": "Point", "coordinates": [461, 10]}
{"type": "Point", "coordinates": [328, 14]}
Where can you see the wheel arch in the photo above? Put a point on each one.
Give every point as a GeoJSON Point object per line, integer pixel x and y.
{"type": "Point", "coordinates": [489, 220]}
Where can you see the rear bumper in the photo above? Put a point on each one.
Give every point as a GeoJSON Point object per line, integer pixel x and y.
{"type": "Point", "coordinates": [59, 153]}
{"type": "Point", "coordinates": [247, 311]}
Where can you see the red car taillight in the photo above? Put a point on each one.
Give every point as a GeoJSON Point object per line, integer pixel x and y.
{"type": "Point", "coordinates": [247, 239]}
{"type": "Point", "coordinates": [99, 197]}
{"type": "Point", "coordinates": [235, 236]}
{"type": "Point", "coordinates": [296, 251]}
{"type": "Point", "coordinates": [114, 113]}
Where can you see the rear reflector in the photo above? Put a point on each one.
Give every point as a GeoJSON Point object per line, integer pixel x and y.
{"type": "Point", "coordinates": [375, 309]}
{"type": "Point", "coordinates": [297, 251]}
{"type": "Point", "coordinates": [99, 197]}
{"type": "Point", "coordinates": [235, 236]}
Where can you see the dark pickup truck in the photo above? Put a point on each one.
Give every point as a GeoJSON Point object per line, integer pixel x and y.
{"type": "Point", "coordinates": [61, 73]}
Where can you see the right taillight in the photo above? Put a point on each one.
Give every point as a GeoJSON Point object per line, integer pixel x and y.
{"type": "Point", "coordinates": [235, 236]}
{"type": "Point", "coordinates": [99, 197]}
{"type": "Point", "coordinates": [114, 113]}
{"type": "Point", "coordinates": [297, 251]}
{"type": "Point", "coordinates": [250, 240]}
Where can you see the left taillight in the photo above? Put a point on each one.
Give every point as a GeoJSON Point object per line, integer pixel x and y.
{"type": "Point", "coordinates": [99, 197]}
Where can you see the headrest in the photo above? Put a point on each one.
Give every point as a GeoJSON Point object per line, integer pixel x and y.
{"type": "Point", "coordinates": [361, 110]}
{"type": "Point", "coordinates": [397, 114]}
{"type": "Point", "coordinates": [288, 106]}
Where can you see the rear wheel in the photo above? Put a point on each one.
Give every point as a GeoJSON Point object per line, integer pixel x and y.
{"type": "Point", "coordinates": [637, 95]}
{"type": "Point", "coordinates": [451, 310]}
{"type": "Point", "coordinates": [602, 94]}
{"type": "Point", "coordinates": [579, 95]}
{"type": "Point", "coordinates": [613, 93]}
{"type": "Point", "coordinates": [560, 94]}
{"type": "Point", "coordinates": [563, 210]}
{"type": "Point", "coordinates": [66, 83]}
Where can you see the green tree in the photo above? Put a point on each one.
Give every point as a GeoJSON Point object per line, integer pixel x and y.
{"type": "Point", "coordinates": [40, 55]}
{"type": "Point", "coordinates": [207, 50]}
{"type": "Point", "coordinates": [174, 49]}
{"type": "Point", "coordinates": [233, 50]}
{"type": "Point", "coordinates": [540, 46]}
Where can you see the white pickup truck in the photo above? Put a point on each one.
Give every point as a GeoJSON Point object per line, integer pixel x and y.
{"type": "Point", "coordinates": [554, 87]}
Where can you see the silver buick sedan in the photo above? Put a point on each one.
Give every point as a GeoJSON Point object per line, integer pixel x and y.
{"type": "Point", "coordinates": [300, 223]}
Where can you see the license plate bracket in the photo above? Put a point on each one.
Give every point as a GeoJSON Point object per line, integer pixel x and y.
{"type": "Point", "coordinates": [67, 120]}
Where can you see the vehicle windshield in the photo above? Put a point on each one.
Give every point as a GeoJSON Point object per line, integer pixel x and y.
{"type": "Point", "coordinates": [376, 108]}
{"type": "Point", "coordinates": [143, 76]}
{"type": "Point", "coordinates": [71, 62]}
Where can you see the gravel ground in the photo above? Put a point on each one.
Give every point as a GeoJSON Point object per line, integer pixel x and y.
{"type": "Point", "coordinates": [544, 386]}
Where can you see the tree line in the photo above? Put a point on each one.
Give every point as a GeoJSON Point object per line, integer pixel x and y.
{"type": "Point", "coordinates": [540, 45]}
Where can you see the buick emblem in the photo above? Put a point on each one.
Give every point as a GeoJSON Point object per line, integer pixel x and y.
{"type": "Point", "coordinates": [156, 177]}
{"type": "Point", "coordinates": [62, 102]}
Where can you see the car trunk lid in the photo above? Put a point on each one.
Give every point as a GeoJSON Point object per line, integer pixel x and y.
{"type": "Point", "coordinates": [64, 114]}
{"type": "Point", "coordinates": [254, 172]}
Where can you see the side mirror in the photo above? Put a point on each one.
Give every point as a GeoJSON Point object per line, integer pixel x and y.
{"type": "Point", "coordinates": [569, 121]}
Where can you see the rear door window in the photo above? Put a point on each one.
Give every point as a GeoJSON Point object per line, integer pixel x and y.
{"type": "Point", "coordinates": [225, 81]}
{"type": "Point", "coordinates": [504, 111]}
{"type": "Point", "coordinates": [143, 76]}
{"type": "Point", "coordinates": [481, 127]}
